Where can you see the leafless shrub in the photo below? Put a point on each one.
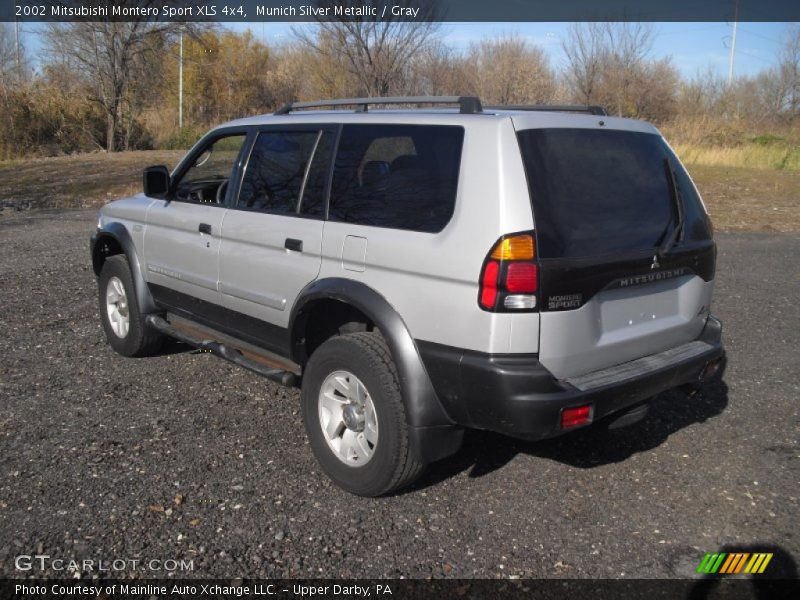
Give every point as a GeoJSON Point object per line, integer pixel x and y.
{"type": "Point", "coordinates": [376, 54]}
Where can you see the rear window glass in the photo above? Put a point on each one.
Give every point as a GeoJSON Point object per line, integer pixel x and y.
{"type": "Point", "coordinates": [604, 191]}
{"type": "Point", "coordinates": [400, 176]}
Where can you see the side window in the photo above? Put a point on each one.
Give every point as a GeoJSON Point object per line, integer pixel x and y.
{"type": "Point", "coordinates": [206, 181]}
{"type": "Point", "coordinates": [313, 200]}
{"type": "Point", "coordinates": [398, 176]}
{"type": "Point", "coordinates": [279, 166]}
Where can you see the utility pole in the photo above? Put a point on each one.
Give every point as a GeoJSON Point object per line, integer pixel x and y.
{"type": "Point", "coordinates": [180, 84]}
{"type": "Point", "coordinates": [16, 42]}
{"type": "Point", "coordinates": [733, 43]}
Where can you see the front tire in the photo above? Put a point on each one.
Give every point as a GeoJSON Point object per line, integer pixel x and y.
{"type": "Point", "coordinates": [124, 325]}
{"type": "Point", "coordinates": [355, 417]}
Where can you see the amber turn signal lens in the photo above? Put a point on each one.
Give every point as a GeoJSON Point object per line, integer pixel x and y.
{"type": "Point", "coordinates": [516, 247]}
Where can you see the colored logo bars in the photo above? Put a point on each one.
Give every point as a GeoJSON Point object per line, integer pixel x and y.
{"type": "Point", "coordinates": [736, 562]}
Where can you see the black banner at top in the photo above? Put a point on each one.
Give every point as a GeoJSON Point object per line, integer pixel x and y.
{"type": "Point", "coordinates": [409, 10]}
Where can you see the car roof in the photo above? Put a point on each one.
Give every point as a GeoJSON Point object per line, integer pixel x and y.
{"type": "Point", "coordinates": [522, 119]}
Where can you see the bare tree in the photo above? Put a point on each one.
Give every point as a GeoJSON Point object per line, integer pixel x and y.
{"type": "Point", "coordinates": [773, 94]}
{"type": "Point", "coordinates": [609, 64]}
{"type": "Point", "coordinates": [13, 60]}
{"type": "Point", "coordinates": [112, 56]}
{"type": "Point", "coordinates": [627, 72]}
{"type": "Point", "coordinates": [376, 53]}
{"type": "Point", "coordinates": [438, 70]}
{"type": "Point", "coordinates": [703, 94]}
{"type": "Point", "coordinates": [507, 69]}
{"type": "Point", "coordinates": [585, 51]}
{"type": "Point", "coordinates": [789, 71]}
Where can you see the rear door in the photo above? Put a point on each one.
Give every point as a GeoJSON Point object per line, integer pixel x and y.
{"type": "Point", "coordinates": [271, 238]}
{"type": "Point", "coordinates": [612, 287]}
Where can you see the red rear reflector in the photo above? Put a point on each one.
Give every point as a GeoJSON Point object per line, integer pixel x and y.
{"type": "Point", "coordinates": [710, 370]}
{"type": "Point", "coordinates": [579, 415]}
{"type": "Point", "coordinates": [489, 284]}
{"type": "Point", "coordinates": [521, 278]}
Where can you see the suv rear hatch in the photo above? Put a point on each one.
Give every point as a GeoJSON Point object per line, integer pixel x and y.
{"type": "Point", "coordinates": [623, 241]}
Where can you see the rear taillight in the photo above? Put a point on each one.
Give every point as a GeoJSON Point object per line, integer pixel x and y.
{"type": "Point", "coordinates": [510, 277]}
{"type": "Point", "coordinates": [489, 283]}
{"type": "Point", "coordinates": [522, 277]}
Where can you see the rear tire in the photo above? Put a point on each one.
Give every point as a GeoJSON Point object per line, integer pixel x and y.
{"type": "Point", "coordinates": [124, 325]}
{"type": "Point", "coordinates": [355, 417]}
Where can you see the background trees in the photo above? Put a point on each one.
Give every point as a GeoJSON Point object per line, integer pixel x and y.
{"type": "Point", "coordinates": [115, 63]}
{"type": "Point", "coordinates": [114, 86]}
{"type": "Point", "coordinates": [609, 64]}
{"type": "Point", "coordinates": [376, 54]}
{"type": "Point", "coordinates": [508, 70]}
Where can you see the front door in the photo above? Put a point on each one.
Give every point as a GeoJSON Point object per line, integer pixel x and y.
{"type": "Point", "coordinates": [182, 237]}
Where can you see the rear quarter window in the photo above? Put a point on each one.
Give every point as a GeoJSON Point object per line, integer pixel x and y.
{"type": "Point", "coordinates": [398, 176]}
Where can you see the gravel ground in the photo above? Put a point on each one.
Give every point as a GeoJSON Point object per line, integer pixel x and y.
{"type": "Point", "coordinates": [184, 456]}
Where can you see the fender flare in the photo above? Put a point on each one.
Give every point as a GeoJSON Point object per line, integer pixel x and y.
{"type": "Point", "coordinates": [422, 405]}
{"type": "Point", "coordinates": [120, 234]}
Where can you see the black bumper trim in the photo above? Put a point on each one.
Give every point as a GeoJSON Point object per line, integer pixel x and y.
{"type": "Point", "coordinates": [639, 367]}
{"type": "Point", "coordinates": [517, 396]}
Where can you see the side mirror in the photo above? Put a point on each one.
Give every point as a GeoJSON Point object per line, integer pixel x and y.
{"type": "Point", "coordinates": [156, 182]}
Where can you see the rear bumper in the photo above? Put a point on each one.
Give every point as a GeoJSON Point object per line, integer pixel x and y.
{"type": "Point", "coordinates": [517, 396]}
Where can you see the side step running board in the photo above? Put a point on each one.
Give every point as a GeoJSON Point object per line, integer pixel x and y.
{"type": "Point", "coordinates": [229, 353]}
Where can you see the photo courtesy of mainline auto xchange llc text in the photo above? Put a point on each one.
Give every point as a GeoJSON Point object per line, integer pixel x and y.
{"type": "Point", "coordinates": [133, 589]}
{"type": "Point", "coordinates": [399, 299]}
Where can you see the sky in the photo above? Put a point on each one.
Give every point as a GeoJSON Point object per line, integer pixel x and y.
{"type": "Point", "coordinates": [694, 47]}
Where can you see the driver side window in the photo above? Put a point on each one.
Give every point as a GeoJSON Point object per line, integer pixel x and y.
{"type": "Point", "coordinates": [206, 181]}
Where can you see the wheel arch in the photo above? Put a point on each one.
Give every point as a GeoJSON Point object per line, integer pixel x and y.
{"type": "Point", "coordinates": [115, 239]}
{"type": "Point", "coordinates": [422, 405]}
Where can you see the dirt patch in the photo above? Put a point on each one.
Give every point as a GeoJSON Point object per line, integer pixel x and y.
{"type": "Point", "coordinates": [742, 199]}
{"type": "Point", "coordinates": [739, 199]}
{"type": "Point", "coordinates": [81, 181]}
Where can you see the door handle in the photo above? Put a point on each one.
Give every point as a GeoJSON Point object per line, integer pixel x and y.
{"type": "Point", "coordinates": [204, 228]}
{"type": "Point", "coordinates": [293, 244]}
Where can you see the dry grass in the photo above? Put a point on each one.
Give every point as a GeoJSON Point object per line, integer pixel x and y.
{"type": "Point", "coordinates": [738, 198]}
{"type": "Point", "coordinates": [779, 157]}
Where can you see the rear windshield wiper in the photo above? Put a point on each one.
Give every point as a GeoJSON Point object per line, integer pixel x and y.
{"type": "Point", "coordinates": [675, 194]}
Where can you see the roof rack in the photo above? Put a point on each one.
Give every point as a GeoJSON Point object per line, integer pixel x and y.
{"type": "Point", "coordinates": [468, 105]}
{"type": "Point", "coordinates": [579, 108]}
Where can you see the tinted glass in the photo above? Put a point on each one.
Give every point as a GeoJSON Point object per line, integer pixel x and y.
{"type": "Point", "coordinates": [604, 191]}
{"type": "Point", "coordinates": [400, 176]}
{"type": "Point", "coordinates": [275, 171]}
{"type": "Point", "coordinates": [313, 201]}
{"type": "Point", "coordinates": [696, 226]}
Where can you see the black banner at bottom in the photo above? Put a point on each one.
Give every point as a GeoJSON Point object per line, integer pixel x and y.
{"type": "Point", "coordinates": [400, 589]}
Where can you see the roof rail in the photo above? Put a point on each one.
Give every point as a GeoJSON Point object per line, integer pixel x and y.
{"type": "Point", "coordinates": [468, 105]}
{"type": "Point", "coordinates": [581, 108]}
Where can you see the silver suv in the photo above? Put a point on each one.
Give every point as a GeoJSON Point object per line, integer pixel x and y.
{"type": "Point", "coordinates": [527, 270]}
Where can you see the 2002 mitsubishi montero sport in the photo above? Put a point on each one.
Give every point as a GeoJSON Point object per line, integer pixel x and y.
{"type": "Point", "coordinates": [527, 270]}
